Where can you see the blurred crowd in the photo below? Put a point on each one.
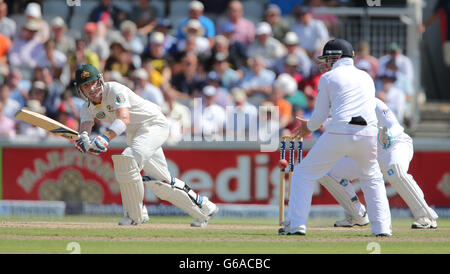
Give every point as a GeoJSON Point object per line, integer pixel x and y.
{"type": "Point", "coordinates": [234, 63]}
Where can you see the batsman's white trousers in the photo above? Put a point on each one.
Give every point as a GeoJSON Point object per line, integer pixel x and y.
{"type": "Point", "coordinates": [359, 144]}
{"type": "Point", "coordinates": [144, 145]}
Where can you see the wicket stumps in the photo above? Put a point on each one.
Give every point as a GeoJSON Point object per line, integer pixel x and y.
{"type": "Point", "coordinates": [290, 168]}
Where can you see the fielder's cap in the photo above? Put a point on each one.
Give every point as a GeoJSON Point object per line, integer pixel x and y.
{"type": "Point", "coordinates": [33, 10]}
{"type": "Point", "coordinates": [238, 95]}
{"type": "Point", "coordinates": [157, 38]}
{"type": "Point", "coordinates": [337, 47]}
{"type": "Point", "coordinates": [291, 38]}
{"type": "Point", "coordinates": [58, 22]}
{"type": "Point", "coordinates": [86, 73]}
{"type": "Point", "coordinates": [196, 5]}
{"type": "Point", "coordinates": [263, 28]}
{"type": "Point", "coordinates": [90, 27]}
{"type": "Point", "coordinates": [209, 91]}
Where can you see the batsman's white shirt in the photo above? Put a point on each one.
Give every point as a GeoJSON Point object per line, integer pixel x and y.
{"type": "Point", "coordinates": [348, 92]}
{"type": "Point", "coordinates": [146, 133]}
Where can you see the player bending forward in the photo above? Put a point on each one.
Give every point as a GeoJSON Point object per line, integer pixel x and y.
{"type": "Point", "coordinates": [146, 130]}
{"type": "Point", "coordinates": [394, 153]}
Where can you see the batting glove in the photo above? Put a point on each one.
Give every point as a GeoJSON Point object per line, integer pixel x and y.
{"type": "Point", "coordinates": [384, 137]}
{"type": "Point", "coordinates": [83, 144]}
{"type": "Point", "coordinates": [99, 145]}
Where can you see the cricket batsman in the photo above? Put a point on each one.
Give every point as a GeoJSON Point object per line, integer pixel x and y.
{"type": "Point", "coordinates": [146, 130]}
{"type": "Point", "coordinates": [395, 152]}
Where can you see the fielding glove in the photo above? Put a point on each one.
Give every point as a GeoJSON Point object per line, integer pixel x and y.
{"type": "Point", "coordinates": [384, 137]}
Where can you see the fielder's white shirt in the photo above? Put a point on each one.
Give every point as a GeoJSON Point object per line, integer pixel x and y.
{"type": "Point", "coordinates": [348, 92]}
{"type": "Point", "coordinates": [115, 96]}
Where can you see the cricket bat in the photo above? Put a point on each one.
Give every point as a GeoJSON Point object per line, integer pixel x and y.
{"type": "Point", "coordinates": [46, 123]}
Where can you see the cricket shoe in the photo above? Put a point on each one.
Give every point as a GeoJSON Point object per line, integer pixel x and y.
{"type": "Point", "coordinates": [209, 209]}
{"type": "Point", "coordinates": [128, 221]}
{"type": "Point", "coordinates": [383, 235]}
{"type": "Point", "coordinates": [286, 230]}
{"type": "Point", "coordinates": [349, 221]}
{"type": "Point", "coordinates": [424, 223]}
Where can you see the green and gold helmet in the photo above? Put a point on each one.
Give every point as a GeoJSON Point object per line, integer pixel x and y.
{"type": "Point", "coordinates": [85, 74]}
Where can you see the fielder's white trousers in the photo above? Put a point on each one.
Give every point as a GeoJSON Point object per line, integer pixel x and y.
{"type": "Point", "coordinates": [359, 144]}
{"type": "Point", "coordinates": [144, 145]}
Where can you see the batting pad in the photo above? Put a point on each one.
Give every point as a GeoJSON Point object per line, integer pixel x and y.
{"type": "Point", "coordinates": [410, 192]}
{"type": "Point", "coordinates": [131, 186]}
{"type": "Point", "coordinates": [180, 195]}
{"type": "Point", "coordinates": [341, 196]}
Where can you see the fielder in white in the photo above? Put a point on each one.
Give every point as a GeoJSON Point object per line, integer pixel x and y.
{"type": "Point", "coordinates": [395, 152]}
{"type": "Point", "coordinates": [352, 132]}
{"type": "Point", "coordinates": [146, 131]}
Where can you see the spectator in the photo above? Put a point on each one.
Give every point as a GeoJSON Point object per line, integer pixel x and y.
{"type": "Point", "coordinates": [288, 85]}
{"type": "Point", "coordinates": [95, 43]}
{"type": "Point", "coordinates": [194, 33]}
{"type": "Point", "coordinates": [133, 41]}
{"type": "Point", "coordinates": [8, 27]}
{"type": "Point", "coordinates": [311, 94]}
{"type": "Point", "coordinates": [279, 26]}
{"type": "Point", "coordinates": [7, 125]}
{"type": "Point", "coordinates": [257, 83]}
{"type": "Point", "coordinates": [39, 92]}
{"type": "Point", "coordinates": [242, 118]}
{"type": "Point", "coordinates": [64, 43]}
{"type": "Point", "coordinates": [33, 13]}
{"type": "Point", "coordinates": [144, 13]}
{"type": "Point", "coordinates": [394, 98]}
{"type": "Point", "coordinates": [244, 29]}
{"type": "Point", "coordinates": [211, 122]}
{"type": "Point", "coordinates": [157, 61]}
{"type": "Point", "coordinates": [55, 90]}
{"type": "Point", "coordinates": [66, 113]}
{"type": "Point", "coordinates": [80, 56]}
{"type": "Point", "coordinates": [265, 45]}
{"type": "Point", "coordinates": [163, 25]}
{"type": "Point", "coordinates": [27, 47]}
{"type": "Point", "coordinates": [18, 86]}
{"type": "Point", "coordinates": [196, 12]}
{"type": "Point", "coordinates": [291, 42]}
{"type": "Point", "coordinates": [236, 49]}
{"type": "Point", "coordinates": [107, 13]}
{"type": "Point", "coordinates": [145, 89]}
{"type": "Point", "coordinates": [363, 53]}
{"type": "Point", "coordinates": [403, 62]}
{"type": "Point", "coordinates": [222, 97]}
{"type": "Point", "coordinates": [28, 129]}
{"type": "Point", "coordinates": [120, 59]}
{"type": "Point", "coordinates": [5, 46]}
{"type": "Point", "coordinates": [284, 107]}
{"type": "Point", "coordinates": [52, 58]}
{"type": "Point", "coordinates": [330, 20]}
{"type": "Point", "coordinates": [178, 116]}
{"type": "Point", "coordinates": [187, 82]}
{"type": "Point", "coordinates": [228, 77]}
{"type": "Point", "coordinates": [312, 33]}
{"type": "Point", "coordinates": [10, 106]}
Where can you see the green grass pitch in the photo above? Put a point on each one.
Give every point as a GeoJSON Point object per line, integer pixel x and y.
{"type": "Point", "coordinates": [168, 235]}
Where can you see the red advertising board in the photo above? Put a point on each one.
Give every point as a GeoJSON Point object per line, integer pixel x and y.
{"type": "Point", "coordinates": [226, 176]}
